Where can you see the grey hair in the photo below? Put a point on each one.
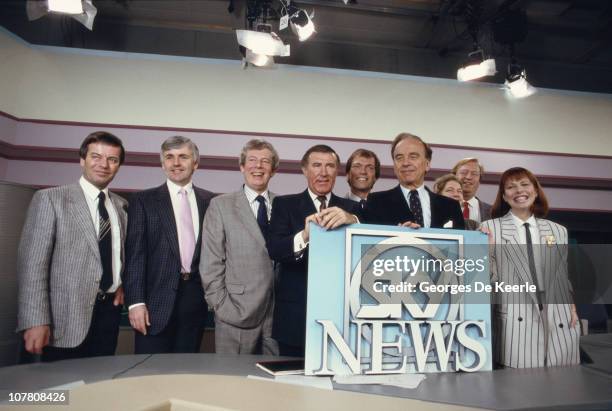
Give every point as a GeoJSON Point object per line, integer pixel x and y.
{"type": "Point", "coordinates": [259, 144]}
{"type": "Point", "coordinates": [178, 142]}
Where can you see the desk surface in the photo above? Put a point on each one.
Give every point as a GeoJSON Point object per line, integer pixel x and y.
{"type": "Point", "coordinates": [554, 388]}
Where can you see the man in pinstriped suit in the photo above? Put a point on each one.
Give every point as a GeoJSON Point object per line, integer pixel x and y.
{"type": "Point", "coordinates": [163, 289]}
{"type": "Point", "coordinates": [70, 293]}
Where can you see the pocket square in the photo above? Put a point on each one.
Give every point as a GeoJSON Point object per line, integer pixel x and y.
{"type": "Point", "coordinates": [449, 224]}
{"type": "Point", "coordinates": [550, 240]}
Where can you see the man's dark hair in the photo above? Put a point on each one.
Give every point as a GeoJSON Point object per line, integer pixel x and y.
{"type": "Point", "coordinates": [103, 137]}
{"type": "Point", "coordinates": [319, 148]}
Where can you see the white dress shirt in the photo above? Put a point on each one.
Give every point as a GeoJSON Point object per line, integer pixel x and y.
{"type": "Point", "coordinates": [91, 196]}
{"type": "Point", "coordinates": [535, 240]}
{"type": "Point", "coordinates": [351, 196]}
{"type": "Point", "coordinates": [425, 202]}
{"type": "Point", "coordinates": [299, 245]}
{"type": "Point", "coordinates": [474, 206]}
{"type": "Point", "coordinates": [251, 196]}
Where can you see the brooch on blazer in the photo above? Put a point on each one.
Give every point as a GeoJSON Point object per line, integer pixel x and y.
{"type": "Point", "coordinates": [550, 240]}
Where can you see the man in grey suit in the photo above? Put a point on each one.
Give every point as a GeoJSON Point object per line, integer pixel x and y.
{"type": "Point", "coordinates": [70, 260]}
{"type": "Point", "coordinates": [469, 171]}
{"type": "Point", "coordinates": [237, 273]}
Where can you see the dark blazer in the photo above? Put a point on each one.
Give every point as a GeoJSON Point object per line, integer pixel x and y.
{"type": "Point", "coordinates": [391, 208]}
{"type": "Point", "coordinates": [153, 259]}
{"type": "Point", "coordinates": [288, 215]}
{"type": "Point", "coordinates": [485, 210]}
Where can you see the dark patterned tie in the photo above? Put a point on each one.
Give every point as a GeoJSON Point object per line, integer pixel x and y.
{"type": "Point", "coordinates": [415, 207]}
{"type": "Point", "coordinates": [532, 266]}
{"type": "Point", "coordinates": [323, 201]}
{"type": "Point", "coordinates": [362, 203]}
{"type": "Point", "coordinates": [262, 216]}
{"type": "Point", "coordinates": [105, 243]}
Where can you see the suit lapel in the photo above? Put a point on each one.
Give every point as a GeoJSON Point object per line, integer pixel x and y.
{"type": "Point", "coordinates": [122, 217]}
{"type": "Point", "coordinates": [82, 215]}
{"type": "Point", "coordinates": [516, 251]}
{"type": "Point", "coordinates": [166, 215]}
{"type": "Point", "coordinates": [307, 206]}
{"type": "Point", "coordinates": [400, 203]}
{"type": "Point", "coordinates": [548, 260]}
{"type": "Point", "coordinates": [201, 211]}
{"type": "Point", "coordinates": [245, 214]}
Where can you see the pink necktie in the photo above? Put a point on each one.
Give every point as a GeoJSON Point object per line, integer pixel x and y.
{"type": "Point", "coordinates": [186, 236]}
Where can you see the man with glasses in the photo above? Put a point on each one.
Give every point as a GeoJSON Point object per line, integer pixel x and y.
{"type": "Point", "coordinates": [468, 172]}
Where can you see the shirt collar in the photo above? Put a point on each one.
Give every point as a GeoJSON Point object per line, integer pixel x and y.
{"type": "Point", "coordinates": [519, 223]}
{"type": "Point", "coordinates": [175, 188]}
{"type": "Point", "coordinates": [251, 194]}
{"type": "Point", "coordinates": [91, 190]}
{"type": "Point", "coordinates": [473, 202]}
{"type": "Point", "coordinates": [313, 196]}
{"type": "Point", "coordinates": [354, 197]}
{"type": "Point", "coordinates": [420, 189]}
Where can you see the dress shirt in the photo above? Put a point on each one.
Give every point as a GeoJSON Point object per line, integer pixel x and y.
{"type": "Point", "coordinates": [91, 196]}
{"type": "Point", "coordinates": [193, 205]}
{"type": "Point", "coordinates": [351, 196]}
{"type": "Point", "coordinates": [251, 196]}
{"type": "Point", "coordinates": [425, 202]}
{"type": "Point", "coordinates": [299, 245]}
{"type": "Point", "coordinates": [535, 240]}
{"type": "Point", "coordinates": [474, 206]}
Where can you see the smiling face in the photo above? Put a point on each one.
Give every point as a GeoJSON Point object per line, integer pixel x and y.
{"type": "Point", "coordinates": [362, 175]}
{"type": "Point", "coordinates": [520, 194]}
{"type": "Point", "coordinates": [101, 164]}
{"type": "Point", "coordinates": [410, 163]}
{"type": "Point", "coordinates": [179, 164]}
{"type": "Point", "coordinates": [452, 189]}
{"type": "Point", "coordinates": [257, 169]}
{"type": "Point", "coordinates": [320, 172]}
{"type": "Point", "coordinates": [469, 176]}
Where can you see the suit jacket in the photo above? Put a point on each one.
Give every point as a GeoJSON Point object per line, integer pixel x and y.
{"type": "Point", "coordinates": [524, 336]}
{"type": "Point", "coordinates": [391, 208]}
{"type": "Point", "coordinates": [484, 209]}
{"type": "Point", "coordinates": [59, 267]}
{"type": "Point", "coordinates": [237, 272]}
{"type": "Point", "coordinates": [153, 259]}
{"type": "Point", "coordinates": [288, 215]}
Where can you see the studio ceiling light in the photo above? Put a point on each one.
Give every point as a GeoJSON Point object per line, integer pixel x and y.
{"type": "Point", "coordinates": [516, 82]}
{"type": "Point", "coordinates": [302, 25]}
{"type": "Point", "coordinates": [260, 46]}
{"type": "Point", "coordinates": [476, 67]}
{"type": "Point", "coordinates": [82, 11]}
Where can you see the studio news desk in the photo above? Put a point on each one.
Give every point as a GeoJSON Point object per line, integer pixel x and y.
{"type": "Point", "coordinates": [217, 382]}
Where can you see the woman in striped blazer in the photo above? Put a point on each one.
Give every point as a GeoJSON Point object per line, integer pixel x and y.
{"type": "Point", "coordinates": [531, 329]}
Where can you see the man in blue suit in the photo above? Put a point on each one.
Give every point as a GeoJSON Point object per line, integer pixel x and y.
{"type": "Point", "coordinates": [289, 237]}
{"type": "Point", "coordinates": [163, 289]}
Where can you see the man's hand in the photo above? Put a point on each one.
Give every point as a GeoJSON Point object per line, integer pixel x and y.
{"type": "Point", "coordinates": [118, 297]}
{"type": "Point", "coordinates": [306, 232]}
{"type": "Point", "coordinates": [139, 318]}
{"type": "Point", "coordinates": [410, 224]}
{"type": "Point", "coordinates": [36, 338]}
{"type": "Point", "coordinates": [334, 217]}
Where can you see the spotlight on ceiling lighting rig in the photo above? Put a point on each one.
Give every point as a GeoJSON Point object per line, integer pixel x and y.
{"type": "Point", "coordinates": [476, 67]}
{"type": "Point", "coordinates": [516, 82]}
{"type": "Point", "coordinates": [82, 11]}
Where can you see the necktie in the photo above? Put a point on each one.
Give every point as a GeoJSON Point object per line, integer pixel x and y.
{"type": "Point", "coordinates": [323, 201]}
{"type": "Point", "coordinates": [262, 216]}
{"type": "Point", "coordinates": [105, 243]}
{"type": "Point", "coordinates": [532, 266]}
{"type": "Point", "coordinates": [362, 203]}
{"type": "Point", "coordinates": [415, 207]}
{"type": "Point", "coordinates": [186, 236]}
{"type": "Point", "coordinates": [466, 210]}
